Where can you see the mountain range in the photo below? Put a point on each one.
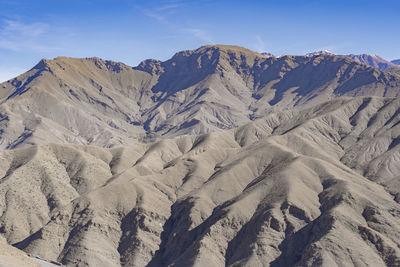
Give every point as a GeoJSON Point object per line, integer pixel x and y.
{"type": "Point", "coordinates": [368, 59]}
{"type": "Point", "coordinates": [397, 61]}
{"type": "Point", "coordinates": [374, 61]}
{"type": "Point", "coordinates": [219, 156]}
{"type": "Point", "coordinates": [105, 103]}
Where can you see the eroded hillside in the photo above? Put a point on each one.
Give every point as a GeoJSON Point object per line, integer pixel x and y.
{"type": "Point", "coordinates": [316, 187]}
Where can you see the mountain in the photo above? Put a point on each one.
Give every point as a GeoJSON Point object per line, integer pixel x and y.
{"type": "Point", "coordinates": [319, 53]}
{"type": "Point", "coordinates": [219, 156]}
{"type": "Point", "coordinates": [12, 257]}
{"type": "Point", "coordinates": [395, 71]}
{"type": "Point", "coordinates": [374, 61]}
{"type": "Point", "coordinates": [316, 187]}
{"type": "Point", "coordinates": [368, 59]}
{"type": "Point", "coordinates": [397, 61]}
{"type": "Point", "coordinates": [105, 103]}
{"type": "Point", "coordinates": [267, 54]}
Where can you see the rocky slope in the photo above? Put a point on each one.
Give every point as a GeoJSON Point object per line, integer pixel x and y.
{"type": "Point", "coordinates": [395, 71]}
{"type": "Point", "coordinates": [367, 59]}
{"type": "Point", "coordinates": [295, 188]}
{"type": "Point", "coordinates": [12, 257]}
{"type": "Point", "coordinates": [104, 103]}
{"type": "Point", "coordinates": [397, 61]}
{"type": "Point", "coordinates": [374, 61]}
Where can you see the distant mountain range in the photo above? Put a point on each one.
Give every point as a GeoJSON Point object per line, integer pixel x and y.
{"type": "Point", "coordinates": [374, 61]}
{"type": "Point", "coordinates": [368, 59]}
{"type": "Point", "coordinates": [397, 61]}
{"type": "Point", "coordinates": [105, 103]}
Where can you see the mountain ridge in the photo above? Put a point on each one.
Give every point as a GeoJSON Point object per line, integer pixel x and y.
{"type": "Point", "coordinates": [374, 61]}
{"type": "Point", "coordinates": [396, 61]}
{"type": "Point", "coordinates": [196, 91]}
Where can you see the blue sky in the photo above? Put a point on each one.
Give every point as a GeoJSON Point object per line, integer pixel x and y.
{"type": "Point", "coordinates": [133, 30]}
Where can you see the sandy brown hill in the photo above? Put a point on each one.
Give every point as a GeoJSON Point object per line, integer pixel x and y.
{"type": "Point", "coordinates": [93, 101]}
{"type": "Point", "coordinates": [12, 257]}
{"type": "Point", "coordinates": [310, 188]}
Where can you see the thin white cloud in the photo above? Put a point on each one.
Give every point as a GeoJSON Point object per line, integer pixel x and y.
{"type": "Point", "coordinates": [12, 28]}
{"type": "Point", "coordinates": [19, 36]}
{"type": "Point", "coordinates": [169, 7]}
{"type": "Point", "coordinates": [151, 14]}
{"type": "Point", "coordinates": [200, 34]}
{"type": "Point", "coordinates": [259, 45]}
{"type": "Point", "coordinates": [173, 1]}
{"type": "Point", "coordinates": [161, 14]}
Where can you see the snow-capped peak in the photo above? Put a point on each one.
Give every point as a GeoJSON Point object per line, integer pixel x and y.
{"type": "Point", "coordinates": [321, 52]}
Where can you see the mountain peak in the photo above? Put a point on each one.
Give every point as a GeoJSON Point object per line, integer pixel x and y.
{"type": "Point", "coordinates": [372, 60]}
{"type": "Point", "coordinates": [151, 66]}
{"type": "Point", "coordinates": [42, 64]}
{"type": "Point", "coordinates": [65, 63]}
{"type": "Point", "coordinates": [267, 54]}
{"type": "Point", "coordinates": [318, 53]}
{"type": "Point", "coordinates": [396, 61]}
{"type": "Point", "coordinates": [222, 47]}
{"type": "Point", "coordinates": [226, 49]}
